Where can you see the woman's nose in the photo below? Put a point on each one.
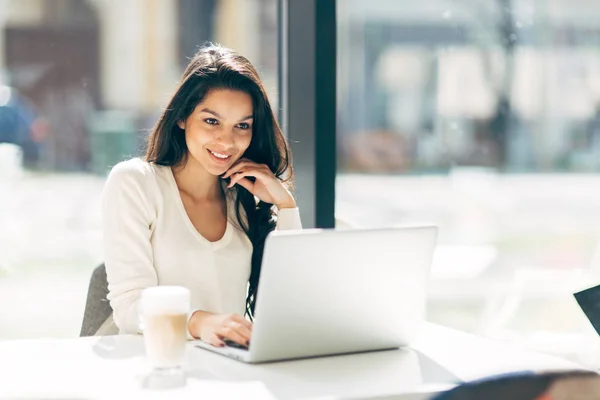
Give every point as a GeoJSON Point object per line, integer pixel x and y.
{"type": "Point", "coordinates": [225, 137]}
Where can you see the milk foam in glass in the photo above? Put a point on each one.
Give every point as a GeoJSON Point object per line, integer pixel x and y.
{"type": "Point", "coordinates": [163, 317]}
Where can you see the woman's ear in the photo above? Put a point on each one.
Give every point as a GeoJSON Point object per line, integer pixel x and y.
{"type": "Point", "coordinates": [181, 124]}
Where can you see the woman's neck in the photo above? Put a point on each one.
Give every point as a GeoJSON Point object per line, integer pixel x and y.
{"type": "Point", "coordinates": [196, 182]}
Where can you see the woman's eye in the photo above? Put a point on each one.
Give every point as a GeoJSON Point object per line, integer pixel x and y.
{"type": "Point", "coordinates": [244, 126]}
{"type": "Point", "coordinates": [211, 121]}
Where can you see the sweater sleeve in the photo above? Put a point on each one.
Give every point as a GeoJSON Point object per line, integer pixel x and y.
{"type": "Point", "coordinates": [127, 224]}
{"type": "Point", "coordinates": [288, 219]}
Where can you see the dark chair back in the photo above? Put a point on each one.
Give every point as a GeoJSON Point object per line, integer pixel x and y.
{"type": "Point", "coordinates": [559, 385]}
{"type": "Point", "coordinates": [97, 307]}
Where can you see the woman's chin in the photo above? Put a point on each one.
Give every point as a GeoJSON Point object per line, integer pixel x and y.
{"type": "Point", "coordinates": [217, 170]}
{"type": "Point", "coordinates": [214, 168]}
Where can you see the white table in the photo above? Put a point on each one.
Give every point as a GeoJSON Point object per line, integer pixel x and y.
{"type": "Point", "coordinates": [114, 366]}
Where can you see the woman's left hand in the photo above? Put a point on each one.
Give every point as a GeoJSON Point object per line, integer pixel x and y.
{"type": "Point", "coordinates": [267, 187]}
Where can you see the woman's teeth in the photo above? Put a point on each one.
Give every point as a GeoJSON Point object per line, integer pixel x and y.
{"type": "Point", "coordinates": [218, 155]}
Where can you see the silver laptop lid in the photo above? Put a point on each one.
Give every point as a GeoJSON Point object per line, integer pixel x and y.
{"type": "Point", "coordinates": [338, 291]}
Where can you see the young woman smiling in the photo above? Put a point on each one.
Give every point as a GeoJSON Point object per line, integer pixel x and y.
{"type": "Point", "coordinates": [195, 211]}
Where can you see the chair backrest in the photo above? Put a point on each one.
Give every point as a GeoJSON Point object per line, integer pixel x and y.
{"type": "Point", "coordinates": [558, 385]}
{"type": "Point", "coordinates": [97, 307]}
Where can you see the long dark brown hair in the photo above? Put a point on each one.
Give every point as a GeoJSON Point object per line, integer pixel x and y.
{"type": "Point", "coordinates": [215, 67]}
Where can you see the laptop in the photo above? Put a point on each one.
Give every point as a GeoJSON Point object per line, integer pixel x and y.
{"type": "Point", "coordinates": [328, 292]}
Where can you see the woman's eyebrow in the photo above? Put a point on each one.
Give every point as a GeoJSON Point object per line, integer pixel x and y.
{"type": "Point", "coordinates": [208, 110]}
{"type": "Point", "coordinates": [216, 114]}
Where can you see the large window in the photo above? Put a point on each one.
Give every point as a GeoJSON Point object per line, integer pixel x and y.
{"type": "Point", "coordinates": [81, 83]}
{"type": "Point", "coordinates": [482, 117]}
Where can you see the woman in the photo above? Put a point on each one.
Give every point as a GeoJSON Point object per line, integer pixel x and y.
{"type": "Point", "coordinates": [196, 210]}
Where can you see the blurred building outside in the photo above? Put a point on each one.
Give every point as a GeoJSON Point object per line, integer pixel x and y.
{"type": "Point", "coordinates": [102, 65]}
{"type": "Point", "coordinates": [429, 86]}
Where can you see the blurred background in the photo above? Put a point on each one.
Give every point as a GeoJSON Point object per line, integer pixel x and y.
{"type": "Point", "coordinates": [481, 116]}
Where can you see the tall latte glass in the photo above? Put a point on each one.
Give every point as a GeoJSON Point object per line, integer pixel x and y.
{"type": "Point", "coordinates": [163, 317]}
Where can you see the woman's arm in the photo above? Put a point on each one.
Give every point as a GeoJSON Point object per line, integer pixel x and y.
{"type": "Point", "coordinates": [268, 188]}
{"type": "Point", "coordinates": [288, 218]}
{"type": "Point", "coordinates": [127, 223]}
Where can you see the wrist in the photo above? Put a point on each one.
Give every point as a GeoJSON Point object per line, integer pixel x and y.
{"type": "Point", "coordinates": [289, 203]}
{"type": "Point", "coordinates": [197, 322]}
{"type": "Point", "coordinates": [284, 206]}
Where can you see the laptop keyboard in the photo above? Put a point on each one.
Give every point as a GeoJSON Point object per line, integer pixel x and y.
{"type": "Point", "coordinates": [235, 345]}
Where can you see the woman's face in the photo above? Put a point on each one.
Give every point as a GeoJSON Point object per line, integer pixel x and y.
{"type": "Point", "coordinates": [219, 130]}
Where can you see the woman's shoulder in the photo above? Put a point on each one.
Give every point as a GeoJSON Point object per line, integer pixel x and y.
{"type": "Point", "coordinates": [137, 174]}
{"type": "Point", "coordinates": [132, 185]}
{"type": "Point", "coordinates": [136, 170]}
{"type": "Point", "coordinates": [134, 166]}
{"type": "Point", "coordinates": [135, 179]}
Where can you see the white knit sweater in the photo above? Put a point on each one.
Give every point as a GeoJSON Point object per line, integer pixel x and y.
{"type": "Point", "coordinates": [149, 240]}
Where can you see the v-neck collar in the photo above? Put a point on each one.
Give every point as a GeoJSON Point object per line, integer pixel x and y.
{"type": "Point", "coordinates": [225, 239]}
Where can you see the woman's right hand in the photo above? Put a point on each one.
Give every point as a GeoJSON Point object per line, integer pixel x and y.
{"type": "Point", "coordinates": [216, 328]}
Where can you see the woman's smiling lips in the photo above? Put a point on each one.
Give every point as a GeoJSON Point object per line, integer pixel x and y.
{"type": "Point", "coordinates": [219, 158]}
